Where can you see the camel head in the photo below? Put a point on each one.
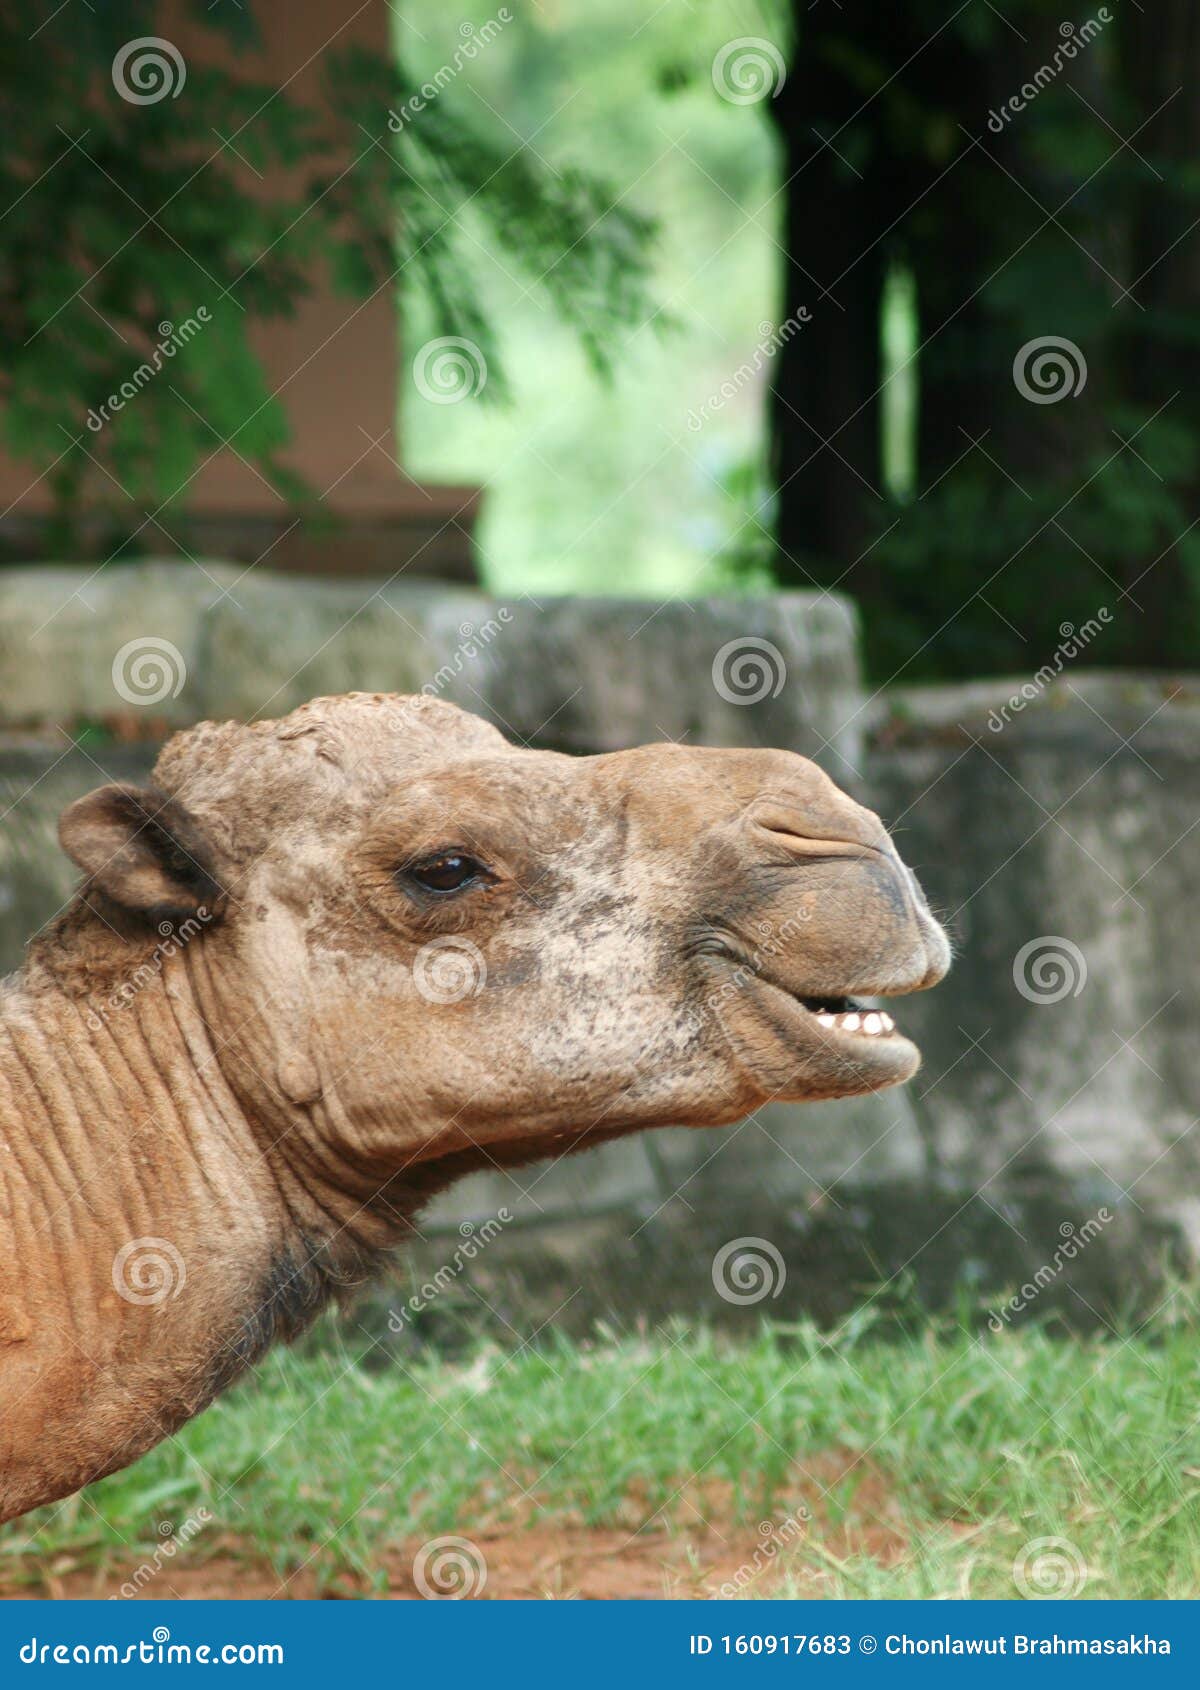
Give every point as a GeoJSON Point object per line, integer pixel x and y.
{"type": "Point", "coordinates": [415, 944]}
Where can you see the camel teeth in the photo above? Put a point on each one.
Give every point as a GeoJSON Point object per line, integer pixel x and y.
{"type": "Point", "coordinates": [873, 1022]}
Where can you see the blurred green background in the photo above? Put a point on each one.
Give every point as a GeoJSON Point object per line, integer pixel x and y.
{"type": "Point", "coordinates": [595, 484]}
{"type": "Point", "coordinates": [832, 296]}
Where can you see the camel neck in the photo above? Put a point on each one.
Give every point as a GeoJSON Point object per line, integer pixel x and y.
{"type": "Point", "coordinates": [134, 1216]}
{"type": "Point", "coordinates": [160, 1226]}
{"type": "Point", "coordinates": [114, 1107]}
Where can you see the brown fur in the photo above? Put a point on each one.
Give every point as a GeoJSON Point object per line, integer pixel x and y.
{"type": "Point", "coordinates": [236, 1051]}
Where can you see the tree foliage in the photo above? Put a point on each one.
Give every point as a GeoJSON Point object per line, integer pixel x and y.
{"type": "Point", "coordinates": [123, 218]}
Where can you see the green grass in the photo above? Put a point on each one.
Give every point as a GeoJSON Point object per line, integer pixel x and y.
{"type": "Point", "coordinates": [967, 1448]}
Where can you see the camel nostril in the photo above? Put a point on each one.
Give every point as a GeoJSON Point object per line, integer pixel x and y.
{"type": "Point", "coordinates": [811, 830]}
{"type": "Point", "coordinates": [807, 846]}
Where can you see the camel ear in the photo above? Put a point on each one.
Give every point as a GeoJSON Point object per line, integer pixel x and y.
{"type": "Point", "coordinates": [143, 850]}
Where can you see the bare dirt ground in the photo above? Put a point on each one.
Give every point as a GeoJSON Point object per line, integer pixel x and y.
{"type": "Point", "coordinates": [536, 1562]}
{"type": "Point", "coordinates": [698, 1551]}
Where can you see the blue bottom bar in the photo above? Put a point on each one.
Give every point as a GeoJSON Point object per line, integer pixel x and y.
{"type": "Point", "coordinates": [579, 1644]}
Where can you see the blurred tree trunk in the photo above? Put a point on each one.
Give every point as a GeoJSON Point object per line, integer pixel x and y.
{"type": "Point", "coordinates": [875, 122]}
{"type": "Point", "coordinates": [824, 401]}
{"type": "Point", "coordinates": [984, 154]}
{"type": "Point", "coordinates": [965, 216]}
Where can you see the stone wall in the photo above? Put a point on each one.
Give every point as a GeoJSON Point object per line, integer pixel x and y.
{"type": "Point", "coordinates": [172, 644]}
{"type": "Point", "coordinates": [1052, 1130]}
{"type": "Point", "coordinates": [1064, 846]}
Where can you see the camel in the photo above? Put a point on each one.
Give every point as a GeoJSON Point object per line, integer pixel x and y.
{"type": "Point", "coordinates": [323, 966]}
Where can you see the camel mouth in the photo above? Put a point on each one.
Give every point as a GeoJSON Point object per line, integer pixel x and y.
{"type": "Point", "coordinates": [807, 1045]}
{"type": "Point", "coordinates": [844, 1044]}
{"type": "Point", "coordinates": [833, 1012]}
{"type": "Point", "coordinates": [862, 1043]}
{"type": "Point", "coordinates": [845, 1015]}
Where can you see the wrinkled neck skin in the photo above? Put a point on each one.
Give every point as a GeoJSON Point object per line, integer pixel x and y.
{"type": "Point", "coordinates": [166, 1212]}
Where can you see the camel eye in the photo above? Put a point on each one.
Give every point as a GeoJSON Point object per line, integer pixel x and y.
{"type": "Point", "coordinates": [451, 872]}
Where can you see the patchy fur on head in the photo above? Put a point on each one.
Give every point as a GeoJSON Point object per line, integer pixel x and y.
{"type": "Point", "coordinates": [435, 944]}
